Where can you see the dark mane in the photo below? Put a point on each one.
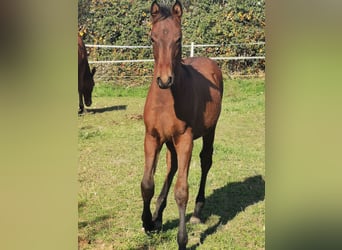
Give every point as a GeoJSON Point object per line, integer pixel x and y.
{"type": "Point", "coordinates": [164, 13]}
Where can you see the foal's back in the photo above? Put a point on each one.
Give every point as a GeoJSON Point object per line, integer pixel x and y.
{"type": "Point", "coordinates": [208, 68]}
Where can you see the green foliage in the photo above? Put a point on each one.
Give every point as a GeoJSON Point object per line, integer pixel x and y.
{"type": "Point", "coordinates": [218, 22]}
{"type": "Point", "coordinates": [114, 22]}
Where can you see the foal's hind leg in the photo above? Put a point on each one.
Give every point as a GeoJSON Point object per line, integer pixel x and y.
{"type": "Point", "coordinates": [171, 160]}
{"type": "Point", "coordinates": [206, 162]}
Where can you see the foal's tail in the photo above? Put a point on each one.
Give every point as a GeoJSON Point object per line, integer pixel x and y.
{"type": "Point", "coordinates": [220, 80]}
{"type": "Point", "coordinates": [217, 74]}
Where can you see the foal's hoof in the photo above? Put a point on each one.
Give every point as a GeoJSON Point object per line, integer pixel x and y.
{"type": "Point", "coordinates": [148, 228]}
{"type": "Point", "coordinates": [195, 220]}
{"type": "Point", "coordinates": [158, 225]}
{"type": "Point", "coordinates": [154, 227]}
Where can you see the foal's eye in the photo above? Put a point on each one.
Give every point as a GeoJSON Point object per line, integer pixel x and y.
{"type": "Point", "coordinates": [152, 40]}
{"type": "Point", "coordinates": [179, 40]}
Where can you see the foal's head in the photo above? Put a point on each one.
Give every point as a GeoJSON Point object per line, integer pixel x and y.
{"type": "Point", "coordinates": [88, 86]}
{"type": "Point", "coordinates": [166, 37]}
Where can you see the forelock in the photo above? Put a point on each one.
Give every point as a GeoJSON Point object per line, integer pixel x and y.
{"type": "Point", "coordinates": [164, 12]}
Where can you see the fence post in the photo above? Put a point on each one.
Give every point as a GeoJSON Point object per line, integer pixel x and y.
{"type": "Point", "coordinates": [192, 49]}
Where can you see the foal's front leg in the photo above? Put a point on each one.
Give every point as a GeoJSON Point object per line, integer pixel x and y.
{"type": "Point", "coordinates": [183, 145]}
{"type": "Point", "coordinates": [152, 148]}
{"type": "Point", "coordinates": [171, 160]}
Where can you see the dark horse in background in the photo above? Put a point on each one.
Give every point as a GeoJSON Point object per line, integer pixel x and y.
{"type": "Point", "coordinates": [183, 104]}
{"type": "Point", "coordinates": [85, 76]}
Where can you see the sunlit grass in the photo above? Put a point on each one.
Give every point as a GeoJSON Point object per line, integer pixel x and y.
{"type": "Point", "coordinates": [111, 165]}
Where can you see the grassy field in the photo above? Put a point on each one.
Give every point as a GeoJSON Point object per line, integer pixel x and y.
{"type": "Point", "coordinates": [111, 160]}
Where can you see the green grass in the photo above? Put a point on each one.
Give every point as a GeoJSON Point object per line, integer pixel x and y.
{"type": "Point", "coordinates": [110, 90]}
{"type": "Point", "coordinates": [111, 164]}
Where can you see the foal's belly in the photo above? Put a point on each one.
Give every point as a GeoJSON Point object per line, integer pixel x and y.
{"type": "Point", "coordinates": [168, 129]}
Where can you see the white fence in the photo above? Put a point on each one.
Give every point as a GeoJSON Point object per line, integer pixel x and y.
{"type": "Point", "coordinates": [105, 74]}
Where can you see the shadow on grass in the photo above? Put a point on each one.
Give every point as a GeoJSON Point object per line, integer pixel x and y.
{"type": "Point", "coordinates": [106, 109]}
{"type": "Point", "coordinates": [93, 222]}
{"type": "Point", "coordinates": [226, 202]}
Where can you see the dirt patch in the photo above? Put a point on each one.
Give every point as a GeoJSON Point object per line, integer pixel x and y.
{"type": "Point", "coordinates": [83, 243]}
{"type": "Point", "coordinates": [135, 117]}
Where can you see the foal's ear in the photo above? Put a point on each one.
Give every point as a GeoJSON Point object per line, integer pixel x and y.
{"type": "Point", "coordinates": [177, 9]}
{"type": "Point", "coordinates": [154, 9]}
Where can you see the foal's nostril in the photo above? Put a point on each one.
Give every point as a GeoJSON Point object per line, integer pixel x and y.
{"type": "Point", "coordinates": [159, 82]}
{"type": "Point", "coordinates": [170, 80]}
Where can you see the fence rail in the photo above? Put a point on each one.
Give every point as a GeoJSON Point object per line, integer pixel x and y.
{"type": "Point", "coordinates": [185, 45]}
{"type": "Point", "coordinates": [151, 60]}
{"type": "Point", "coordinates": [192, 47]}
{"type": "Point", "coordinates": [118, 72]}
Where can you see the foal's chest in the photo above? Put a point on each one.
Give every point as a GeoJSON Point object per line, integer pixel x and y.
{"type": "Point", "coordinates": [163, 123]}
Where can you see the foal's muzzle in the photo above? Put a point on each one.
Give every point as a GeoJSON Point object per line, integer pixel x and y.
{"type": "Point", "coordinates": [88, 103]}
{"type": "Point", "coordinates": [165, 85]}
{"type": "Point", "coordinates": [87, 100]}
